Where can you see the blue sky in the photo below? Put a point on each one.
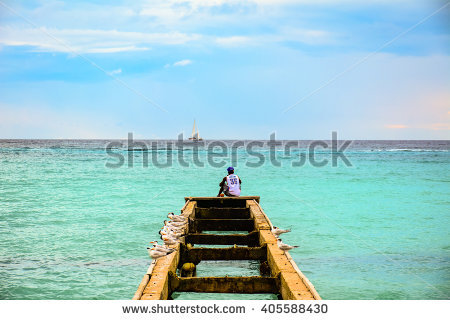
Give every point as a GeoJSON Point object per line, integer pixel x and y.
{"type": "Point", "coordinates": [93, 69]}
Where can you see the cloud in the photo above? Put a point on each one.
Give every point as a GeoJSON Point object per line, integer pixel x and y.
{"type": "Point", "coordinates": [320, 2]}
{"type": "Point", "coordinates": [199, 4]}
{"type": "Point", "coordinates": [182, 63]}
{"type": "Point", "coordinates": [396, 126]}
{"type": "Point", "coordinates": [306, 36]}
{"type": "Point", "coordinates": [114, 72]}
{"type": "Point", "coordinates": [115, 50]}
{"type": "Point", "coordinates": [439, 126]}
{"type": "Point", "coordinates": [432, 126]}
{"type": "Point", "coordinates": [89, 40]}
{"type": "Point", "coordinates": [234, 41]}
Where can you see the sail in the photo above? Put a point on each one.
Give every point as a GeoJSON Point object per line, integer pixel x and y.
{"type": "Point", "coordinates": [195, 135]}
{"type": "Point", "coordinates": [193, 131]}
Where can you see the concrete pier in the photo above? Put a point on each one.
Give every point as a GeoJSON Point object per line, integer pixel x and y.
{"type": "Point", "coordinates": [253, 240]}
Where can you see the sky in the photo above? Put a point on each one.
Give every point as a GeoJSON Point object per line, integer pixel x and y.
{"type": "Point", "coordinates": [373, 69]}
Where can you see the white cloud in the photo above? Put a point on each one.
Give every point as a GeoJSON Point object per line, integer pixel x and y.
{"type": "Point", "coordinates": [114, 41]}
{"type": "Point", "coordinates": [396, 126]}
{"type": "Point", "coordinates": [115, 50]}
{"type": "Point", "coordinates": [196, 4]}
{"type": "Point", "coordinates": [306, 36]}
{"type": "Point", "coordinates": [321, 2]}
{"type": "Point", "coordinates": [88, 40]}
{"type": "Point", "coordinates": [165, 12]}
{"type": "Point", "coordinates": [155, 7]}
{"type": "Point", "coordinates": [165, 16]}
{"type": "Point", "coordinates": [182, 63]}
{"type": "Point", "coordinates": [114, 72]}
{"type": "Point", "coordinates": [234, 41]}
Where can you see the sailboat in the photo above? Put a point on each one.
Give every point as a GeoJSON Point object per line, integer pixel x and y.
{"type": "Point", "coordinates": [195, 136]}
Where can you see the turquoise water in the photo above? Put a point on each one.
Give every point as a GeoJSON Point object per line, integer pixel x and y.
{"type": "Point", "coordinates": [71, 228]}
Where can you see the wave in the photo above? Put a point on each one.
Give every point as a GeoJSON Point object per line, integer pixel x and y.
{"type": "Point", "coordinates": [414, 150]}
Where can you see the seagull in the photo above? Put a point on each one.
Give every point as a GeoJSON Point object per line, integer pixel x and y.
{"type": "Point", "coordinates": [155, 254]}
{"type": "Point", "coordinates": [161, 248]}
{"type": "Point", "coordinates": [176, 218]}
{"type": "Point", "coordinates": [284, 246]}
{"type": "Point", "coordinates": [175, 236]}
{"type": "Point", "coordinates": [155, 243]}
{"type": "Point", "coordinates": [179, 225]}
{"type": "Point", "coordinates": [171, 233]}
{"type": "Point", "coordinates": [173, 229]}
{"type": "Point", "coordinates": [277, 231]}
{"type": "Point", "coordinates": [168, 240]}
{"type": "Point", "coordinates": [168, 229]}
{"type": "Point", "coordinates": [175, 224]}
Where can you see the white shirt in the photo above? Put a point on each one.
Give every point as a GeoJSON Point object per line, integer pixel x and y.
{"type": "Point", "coordinates": [233, 185]}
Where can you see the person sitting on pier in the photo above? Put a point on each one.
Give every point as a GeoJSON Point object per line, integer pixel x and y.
{"type": "Point", "coordinates": [230, 185]}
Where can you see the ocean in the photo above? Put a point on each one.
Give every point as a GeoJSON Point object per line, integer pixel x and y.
{"type": "Point", "coordinates": [75, 222]}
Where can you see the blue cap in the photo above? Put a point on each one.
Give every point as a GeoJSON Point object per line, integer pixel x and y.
{"type": "Point", "coordinates": [230, 169]}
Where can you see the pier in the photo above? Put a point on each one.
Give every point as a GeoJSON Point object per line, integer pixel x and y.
{"type": "Point", "coordinates": [253, 240]}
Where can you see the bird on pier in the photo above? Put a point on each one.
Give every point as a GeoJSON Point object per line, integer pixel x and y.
{"type": "Point", "coordinates": [284, 246]}
{"type": "Point", "coordinates": [175, 224]}
{"type": "Point", "coordinates": [171, 233]}
{"type": "Point", "coordinates": [156, 254]}
{"type": "Point", "coordinates": [176, 218]}
{"type": "Point", "coordinates": [169, 228]}
{"type": "Point", "coordinates": [169, 241]}
{"type": "Point", "coordinates": [277, 231]}
{"type": "Point", "coordinates": [162, 248]}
